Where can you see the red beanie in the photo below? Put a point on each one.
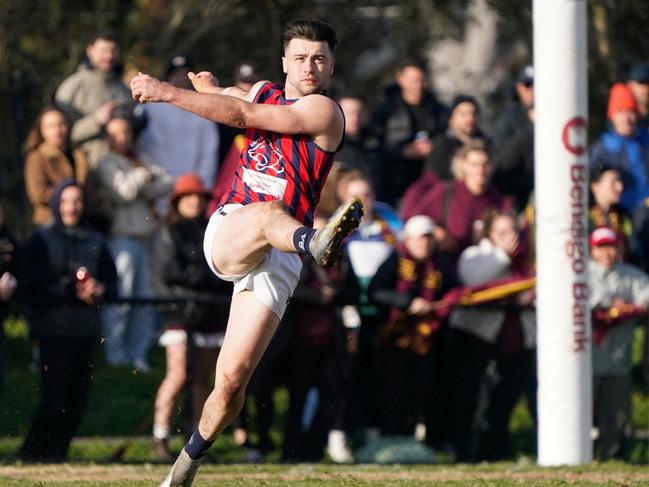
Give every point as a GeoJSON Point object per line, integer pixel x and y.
{"type": "Point", "coordinates": [621, 98]}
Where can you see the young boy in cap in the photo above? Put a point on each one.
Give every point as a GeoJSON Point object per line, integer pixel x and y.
{"type": "Point", "coordinates": [616, 289]}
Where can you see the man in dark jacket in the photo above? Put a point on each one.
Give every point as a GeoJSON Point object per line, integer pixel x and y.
{"type": "Point", "coordinates": [69, 272]}
{"type": "Point", "coordinates": [404, 124]}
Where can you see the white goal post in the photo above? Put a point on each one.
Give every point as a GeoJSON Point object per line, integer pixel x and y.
{"type": "Point", "coordinates": [561, 195]}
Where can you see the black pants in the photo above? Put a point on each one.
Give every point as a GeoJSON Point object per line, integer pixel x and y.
{"type": "Point", "coordinates": [464, 360]}
{"type": "Point", "coordinates": [308, 368]}
{"type": "Point", "coordinates": [407, 379]}
{"type": "Point", "coordinates": [66, 375]}
{"type": "Point", "coordinates": [517, 378]}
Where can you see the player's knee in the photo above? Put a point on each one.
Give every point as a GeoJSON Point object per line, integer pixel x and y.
{"type": "Point", "coordinates": [273, 208]}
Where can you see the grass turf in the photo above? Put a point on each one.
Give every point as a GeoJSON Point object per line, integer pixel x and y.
{"type": "Point", "coordinates": [502, 474]}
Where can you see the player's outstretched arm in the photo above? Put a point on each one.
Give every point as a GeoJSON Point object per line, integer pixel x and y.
{"type": "Point", "coordinates": [314, 114]}
{"type": "Point", "coordinates": [206, 82]}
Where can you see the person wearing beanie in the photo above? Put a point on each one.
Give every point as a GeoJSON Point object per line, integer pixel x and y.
{"type": "Point", "coordinates": [625, 147]}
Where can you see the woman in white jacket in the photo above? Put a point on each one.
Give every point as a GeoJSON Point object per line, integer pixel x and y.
{"type": "Point", "coordinates": [503, 336]}
{"type": "Point", "coordinates": [133, 185]}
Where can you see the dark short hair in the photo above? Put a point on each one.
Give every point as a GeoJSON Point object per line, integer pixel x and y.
{"type": "Point", "coordinates": [598, 169]}
{"type": "Point", "coordinates": [310, 30]}
{"type": "Point", "coordinates": [104, 34]}
{"type": "Point", "coordinates": [413, 63]}
{"type": "Point", "coordinates": [459, 99]}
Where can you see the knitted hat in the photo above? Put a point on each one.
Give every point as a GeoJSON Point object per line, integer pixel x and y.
{"type": "Point", "coordinates": [621, 98]}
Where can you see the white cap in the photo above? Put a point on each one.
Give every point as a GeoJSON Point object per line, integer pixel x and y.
{"type": "Point", "coordinates": [418, 226]}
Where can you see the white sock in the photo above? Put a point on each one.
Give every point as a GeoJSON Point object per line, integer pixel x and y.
{"type": "Point", "coordinates": [160, 432]}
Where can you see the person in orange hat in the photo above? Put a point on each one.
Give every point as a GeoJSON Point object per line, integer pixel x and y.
{"type": "Point", "coordinates": [625, 147]}
{"type": "Point", "coordinates": [179, 271]}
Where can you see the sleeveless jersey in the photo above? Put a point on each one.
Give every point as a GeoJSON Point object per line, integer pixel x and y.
{"type": "Point", "coordinates": [273, 166]}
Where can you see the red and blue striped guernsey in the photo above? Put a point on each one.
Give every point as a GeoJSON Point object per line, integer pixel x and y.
{"type": "Point", "coordinates": [286, 167]}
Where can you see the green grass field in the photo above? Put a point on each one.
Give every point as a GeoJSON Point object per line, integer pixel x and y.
{"type": "Point", "coordinates": [610, 474]}
{"type": "Point", "coordinates": [121, 401]}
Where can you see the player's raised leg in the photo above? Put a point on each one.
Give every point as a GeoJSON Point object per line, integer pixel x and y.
{"type": "Point", "coordinates": [250, 231]}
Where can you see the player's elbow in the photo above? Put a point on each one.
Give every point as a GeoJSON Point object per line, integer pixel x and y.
{"type": "Point", "coordinates": [244, 117]}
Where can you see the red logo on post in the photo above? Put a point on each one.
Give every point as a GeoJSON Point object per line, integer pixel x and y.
{"type": "Point", "coordinates": [575, 136]}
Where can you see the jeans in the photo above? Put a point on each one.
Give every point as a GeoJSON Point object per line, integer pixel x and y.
{"type": "Point", "coordinates": [129, 329]}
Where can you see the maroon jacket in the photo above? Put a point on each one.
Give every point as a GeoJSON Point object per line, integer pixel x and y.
{"type": "Point", "coordinates": [452, 206]}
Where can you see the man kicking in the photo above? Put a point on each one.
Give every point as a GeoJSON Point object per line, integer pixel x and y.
{"type": "Point", "coordinates": [293, 134]}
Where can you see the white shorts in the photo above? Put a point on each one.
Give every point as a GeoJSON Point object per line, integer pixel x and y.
{"type": "Point", "coordinates": [272, 281]}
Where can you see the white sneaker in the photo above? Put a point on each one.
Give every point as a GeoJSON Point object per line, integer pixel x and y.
{"type": "Point", "coordinates": [182, 472]}
{"type": "Point", "coordinates": [338, 449]}
{"type": "Point", "coordinates": [326, 244]}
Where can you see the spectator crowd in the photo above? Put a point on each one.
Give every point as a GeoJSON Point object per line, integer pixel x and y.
{"type": "Point", "coordinates": [381, 346]}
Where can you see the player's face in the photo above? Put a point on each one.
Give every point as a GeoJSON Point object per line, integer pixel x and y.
{"type": "Point", "coordinates": [71, 206]}
{"type": "Point", "coordinates": [309, 66]}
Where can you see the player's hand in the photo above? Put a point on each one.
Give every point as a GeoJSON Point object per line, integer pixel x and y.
{"type": "Point", "coordinates": [145, 88]}
{"type": "Point", "coordinates": [203, 82]}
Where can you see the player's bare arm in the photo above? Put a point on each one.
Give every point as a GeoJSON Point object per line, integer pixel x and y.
{"type": "Point", "coordinates": [206, 82]}
{"type": "Point", "coordinates": [315, 115]}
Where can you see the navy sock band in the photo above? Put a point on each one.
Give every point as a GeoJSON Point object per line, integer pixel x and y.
{"type": "Point", "coordinates": [301, 239]}
{"type": "Point", "coordinates": [197, 446]}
